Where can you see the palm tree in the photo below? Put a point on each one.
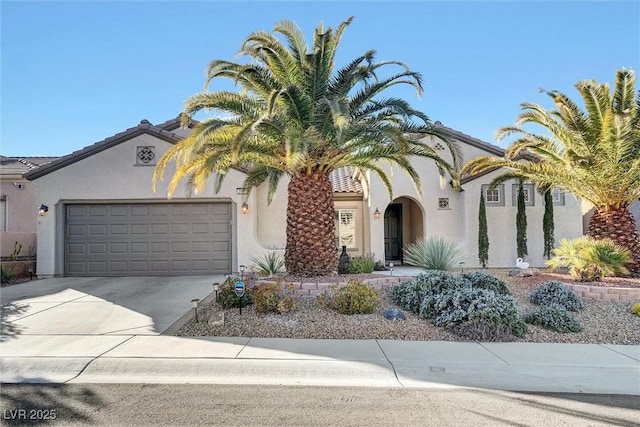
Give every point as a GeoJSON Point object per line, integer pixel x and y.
{"type": "Point", "coordinates": [594, 154]}
{"type": "Point", "coordinates": [296, 116]}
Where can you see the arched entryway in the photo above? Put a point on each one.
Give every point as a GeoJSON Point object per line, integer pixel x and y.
{"type": "Point", "coordinates": [403, 225]}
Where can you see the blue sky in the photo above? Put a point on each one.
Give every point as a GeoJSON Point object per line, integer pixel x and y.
{"type": "Point", "coordinates": [74, 73]}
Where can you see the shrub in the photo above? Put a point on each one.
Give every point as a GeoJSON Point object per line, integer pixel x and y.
{"type": "Point", "coordinates": [5, 276]}
{"type": "Point", "coordinates": [589, 259]}
{"type": "Point", "coordinates": [554, 317]}
{"type": "Point", "coordinates": [486, 312]}
{"type": "Point", "coordinates": [274, 298]}
{"type": "Point", "coordinates": [361, 264]}
{"type": "Point", "coordinates": [270, 263]}
{"type": "Point", "coordinates": [353, 298]}
{"type": "Point", "coordinates": [555, 292]}
{"type": "Point", "coordinates": [380, 266]}
{"type": "Point", "coordinates": [636, 309]}
{"type": "Point", "coordinates": [433, 253]}
{"type": "Point", "coordinates": [410, 295]}
{"type": "Point", "coordinates": [227, 297]}
{"type": "Point", "coordinates": [482, 280]}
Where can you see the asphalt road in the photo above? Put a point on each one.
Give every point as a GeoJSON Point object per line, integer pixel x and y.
{"type": "Point", "coordinates": [185, 405]}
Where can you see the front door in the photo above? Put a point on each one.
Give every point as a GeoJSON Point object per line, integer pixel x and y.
{"type": "Point", "coordinates": [393, 233]}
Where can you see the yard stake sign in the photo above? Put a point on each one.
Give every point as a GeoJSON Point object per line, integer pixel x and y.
{"type": "Point", "coordinates": [239, 290]}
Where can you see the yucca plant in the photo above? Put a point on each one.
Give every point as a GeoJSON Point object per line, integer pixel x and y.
{"type": "Point", "coordinates": [589, 259]}
{"type": "Point", "coordinates": [433, 253]}
{"type": "Point", "coordinates": [270, 263]}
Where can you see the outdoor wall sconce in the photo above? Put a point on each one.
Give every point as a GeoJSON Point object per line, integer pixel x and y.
{"type": "Point", "coordinates": [376, 214]}
{"type": "Point", "coordinates": [194, 304]}
{"type": "Point", "coordinates": [244, 207]}
{"type": "Point", "coordinates": [216, 288]}
{"type": "Point", "coordinates": [43, 210]}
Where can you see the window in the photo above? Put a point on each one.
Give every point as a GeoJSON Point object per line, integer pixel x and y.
{"type": "Point", "coordinates": [146, 156]}
{"type": "Point", "coordinates": [495, 196]}
{"type": "Point", "coordinates": [443, 203]}
{"type": "Point", "coordinates": [529, 196]}
{"type": "Point", "coordinates": [346, 227]}
{"type": "Point", "coordinates": [557, 196]}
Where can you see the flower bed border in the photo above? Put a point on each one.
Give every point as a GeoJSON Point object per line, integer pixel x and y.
{"type": "Point", "coordinates": [602, 293]}
{"type": "Point", "coordinates": [313, 289]}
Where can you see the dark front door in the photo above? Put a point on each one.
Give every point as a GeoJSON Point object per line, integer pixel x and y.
{"type": "Point", "coordinates": [393, 233]}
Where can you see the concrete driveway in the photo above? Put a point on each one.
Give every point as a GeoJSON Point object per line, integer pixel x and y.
{"type": "Point", "coordinates": [100, 306]}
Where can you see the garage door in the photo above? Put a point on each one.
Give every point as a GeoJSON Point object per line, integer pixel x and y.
{"type": "Point", "coordinates": [147, 239]}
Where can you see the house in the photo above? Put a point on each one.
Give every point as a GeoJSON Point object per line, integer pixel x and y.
{"type": "Point", "coordinates": [103, 218]}
{"type": "Point", "coordinates": [18, 205]}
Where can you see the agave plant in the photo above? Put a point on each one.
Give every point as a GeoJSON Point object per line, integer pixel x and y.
{"type": "Point", "coordinates": [433, 253]}
{"type": "Point", "coordinates": [589, 259]}
{"type": "Point", "coordinates": [270, 263]}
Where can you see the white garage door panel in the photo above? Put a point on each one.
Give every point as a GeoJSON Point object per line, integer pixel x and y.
{"type": "Point", "coordinates": [148, 239]}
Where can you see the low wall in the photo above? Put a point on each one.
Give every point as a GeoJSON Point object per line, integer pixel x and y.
{"type": "Point", "coordinates": [8, 241]}
{"type": "Point", "coordinates": [313, 289]}
{"type": "Point", "coordinates": [601, 293]}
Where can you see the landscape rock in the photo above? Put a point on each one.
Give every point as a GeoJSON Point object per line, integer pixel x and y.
{"type": "Point", "coordinates": [216, 319]}
{"type": "Point", "coordinates": [393, 313]}
{"type": "Point", "coordinates": [527, 272]}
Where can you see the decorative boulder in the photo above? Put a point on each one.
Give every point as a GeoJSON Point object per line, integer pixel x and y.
{"type": "Point", "coordinates": [524, 273]}
{"type": "Point", "coordinates": [393, 313]}
{"type": "Point", "coordinates": [216, 319]}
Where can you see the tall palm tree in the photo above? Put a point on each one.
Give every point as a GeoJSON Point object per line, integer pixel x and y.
{"type": "Point", "coordinates": [295, 115]}
{"type": "Point", "coordinates": [594, 154]}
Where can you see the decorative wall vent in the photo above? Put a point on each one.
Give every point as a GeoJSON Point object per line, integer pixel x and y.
{"type": "Point", "coordinates": [146, 155]}
{"type": "Point", "coordinates": [443, 203]}
{"type": "Point", "coordinates": [438, 146]}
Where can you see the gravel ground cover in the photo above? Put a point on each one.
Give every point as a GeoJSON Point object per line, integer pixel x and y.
{"type": "Point", "coordinates": [602, 322]}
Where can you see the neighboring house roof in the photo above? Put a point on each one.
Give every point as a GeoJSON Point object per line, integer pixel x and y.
{"type": "Point", "coordinates": [143, 128]}
{"type": "Point", "coordinates": [17, 165]}
{"type": "Point", "coordinates": [343, 181]}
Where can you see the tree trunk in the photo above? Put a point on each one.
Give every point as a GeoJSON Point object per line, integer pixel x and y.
{"type": "Point", "coordinates": [311, 241]}
{"type": "Point", "coordinates": [620, 226]}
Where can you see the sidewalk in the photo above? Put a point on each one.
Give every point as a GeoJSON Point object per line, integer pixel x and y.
{"type": "Point", "coordinates": [576, 368]}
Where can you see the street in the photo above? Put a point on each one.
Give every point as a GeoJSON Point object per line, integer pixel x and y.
{"type": "Point", "coordinates": [189, 404]}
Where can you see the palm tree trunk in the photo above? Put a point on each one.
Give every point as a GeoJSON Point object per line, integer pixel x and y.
{"type": "Point", "coordinates": [311, 244]}
{"type": "Point", "coordinates": [620, 226]}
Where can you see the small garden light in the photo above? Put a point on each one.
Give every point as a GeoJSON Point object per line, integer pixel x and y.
{"type": "Point", "coordinates": [391, 267]}
{"type": "Point", "coordinates": [30, 271]}
{"type": "Point", "coordinates": [242, 267]}
{"type": "Point", "coordinates": [194, 304]}
{"type": "Point", "coordinates": [216, 288]}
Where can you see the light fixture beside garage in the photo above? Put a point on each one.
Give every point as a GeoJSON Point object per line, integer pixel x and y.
{"type": "Point", "coordinates": [43, 210]}
{"type": "Point", "coordinates": [244, 207]}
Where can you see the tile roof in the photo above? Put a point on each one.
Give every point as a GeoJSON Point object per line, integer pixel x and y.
{"type": "Point", "coordinates": [343, 181]}
{"type": "Point", "coordinates": [17, 165]}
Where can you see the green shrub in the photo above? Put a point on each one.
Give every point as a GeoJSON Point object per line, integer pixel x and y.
{"type": "Point", "coordinates": [433, 253]}
{"type": "Point", "coordinates": [227, 297]}
{"type": "Point", "coordinates": [353, 298]}
{"type": "Point", "coordinates": [274, 298]}
{"type": "Point", "coordinates": [555, 292]}
{"type": "Point", "coordinates": [482, 280]}
{"type": "Point", "coordinates": [472, 309]}
{"type": "Point", "coordinates": [270, 263]}
{"type": "Point", "coordinates": [588, 259]}
{"type": "Point", "coordinates": [410, 295]}
{"type": "Point", "coordinates": [636, 309]}
{"type": "Point", "coordinates": [380, 266]}
{"type": "Point", "coordinates": [361, 264]}
{"type": "Point", "coordinates": [5, 276]}
{"type": "Point", "coordinates": [554, 317]}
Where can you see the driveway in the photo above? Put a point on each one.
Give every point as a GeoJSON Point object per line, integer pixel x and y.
{"type": "Point", "coordinates": [100, 306]}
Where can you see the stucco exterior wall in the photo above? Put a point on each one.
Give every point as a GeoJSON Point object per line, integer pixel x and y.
{"type": "Point", "coordinates": [113, 175]}
{"type": "Point", "coordinates": [501, 225]}
{"type": "Point", "coordinates": [20, 215]}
